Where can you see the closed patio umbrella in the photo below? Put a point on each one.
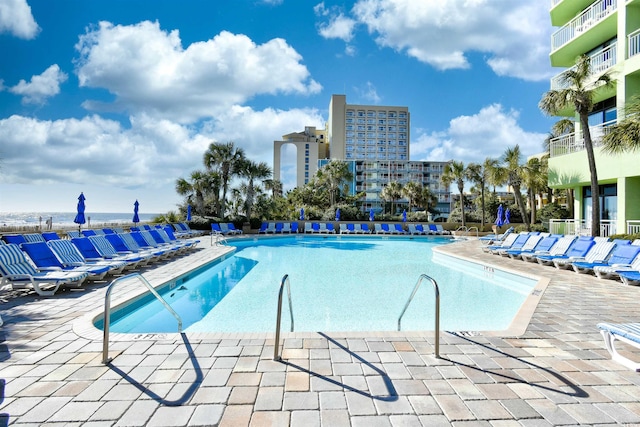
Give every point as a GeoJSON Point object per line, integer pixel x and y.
{"type": "Point", "coordinates": [404, 215]}
{"type": "Point", "coordinates": [371, 215]}
{"type": "Point", "coordinates": [507, 216]}
{"type": "Point", "coordinates": [499, 221]}
{"type": "Point", "coordinates": [301, 214]}
{"type": "Point", "coordinates": [79, 219]}
{"type": "Point", "coordinates": [136, 218]}
{"type": "Point", "coordinates": [188, 213]}
{"type": "Point", "coordinates": [338, 214]}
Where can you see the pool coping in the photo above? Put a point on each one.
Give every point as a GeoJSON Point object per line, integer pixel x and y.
{"type": "Point", "coordinates": [84, 326]}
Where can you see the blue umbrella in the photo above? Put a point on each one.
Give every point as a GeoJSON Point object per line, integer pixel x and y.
{"type": "Point", "coordinates": [79, 219]}
{"type": "Point", "coordinates": [404, 215]}
{"type": "Point", "coordinates": [507, 216]}
{"type": "Point", "coordinates": [371, 215]}
{"type": "Point", "coordinates": [301, 214]}
{"type": "Point", "coordinates": [136, 218]}
{"type": "Point", "coordinates": [338, 214]}
{"type": "Point", "coordinates": [499, 221]}
{"type": "Point", "coordinates": [188, 212]}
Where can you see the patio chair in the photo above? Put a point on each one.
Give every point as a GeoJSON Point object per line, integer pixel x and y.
{"type": "Point", "coordinates": [621, 256]}
{"type": "Point", "coordinates": [106, 249]}
{"type": "Point", "coordinates": [521, 240]}
{"type": "Point", "coordinates": [505, 244]}
{"type": "Point", "coordinates": [597, 253]}
{"type": "Point", "coordinates": [577, 247]}
{"type": "Point", "coordinates": [628, 333]}
{"type": "Point", "coordinates": [398, 229]}
{"type": "Point", "coordinates": [534, 244]}
{"type": "Point", "coordinates": [286, 228]}
{"type": "Point", "coordinates": [18, 272]}
{"type": "Point", "coordinates": [46, 260]}
{"type": "Point", "coordinates": [631, 278]}
{"type": "Point", "coordinates": [558, 248]}
{"type": "Point", "coordinates": [492, 238]}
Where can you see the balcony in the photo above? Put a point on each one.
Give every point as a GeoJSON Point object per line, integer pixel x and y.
{"type": "Point", "coordinates": [572, 143]}
{"type": "Point", "coordinates": [580, 24]}
{"type": "Point", "coordinates": [600, 62]}
{"type": "Point", "coordinates": [633, 41]}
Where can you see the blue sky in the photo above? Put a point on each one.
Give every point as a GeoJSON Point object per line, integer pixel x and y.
{"type": "Point", "coordinates": [119, 98]}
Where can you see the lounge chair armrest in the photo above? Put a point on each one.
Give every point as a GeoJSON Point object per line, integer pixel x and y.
{"type": "Point", "coordinates": [541, 253]}
{"type": "Point", "coordinates": [49, 269]}
{"type": "Point", "coordinates": [73, 264]}
{"type": "Point", "coordinates": [621, 265]}
{"type": "Point", "coordinates": [94, 259]}
{"type": "Point", "coordinates": [576, 258]}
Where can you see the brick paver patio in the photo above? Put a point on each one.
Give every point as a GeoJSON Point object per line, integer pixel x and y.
{"type": "Point", "coordinates": [555, 373]}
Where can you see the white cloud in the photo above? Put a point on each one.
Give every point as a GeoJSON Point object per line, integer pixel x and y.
{"type": "Point", "coordinates": [40, 87]}
{"type": "Point", "coordinates": [513, 35]}
{"type": "Point", "coordinates": [338, 27]}
{"type": "Point", "coordinates": [149, 71]}
{"type": "Point", "coordinates": [369, 93]}
{"type": "Point", "coordinates": [149, 155]}
{"type": "Point", "coordinates": [16, 19]}
{"type": "Point", "coordinates": [474, 138]}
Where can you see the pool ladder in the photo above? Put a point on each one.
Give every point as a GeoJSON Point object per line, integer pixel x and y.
{"type": "Point", "coordinates": [107, 310]}
{"type": "Point", "coordinates": [285, 283]}
{"type": "Point", "coordinates": [218, 239]}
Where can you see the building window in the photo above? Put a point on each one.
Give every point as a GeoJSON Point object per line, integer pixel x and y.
{"type": "Point", "coordinates": [608, 202]}
{"type": "Point", "coordinates": [603, 112]}
{"type": "Point", "coordinates": [402, 114]}
{"type": "Point", "coordinates": [392, 114]}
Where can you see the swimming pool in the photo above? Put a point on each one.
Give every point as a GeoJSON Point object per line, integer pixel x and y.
{"type": "Point", "coordinates": [338, 283]}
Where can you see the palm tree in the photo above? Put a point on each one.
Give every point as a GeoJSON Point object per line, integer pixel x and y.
{"type": "Point", "coordinates": [455, 171]}
{"type": "Point", "coordinates": [625, 135]}
{"type": "Point", "coordinates": [203, 185]}
{"type": "Point", "coordinates": [275, 186]}
{"type": "Point", "coordinates": [411, 191]}
{"type": "Point", "coordinates": [225, 158]}
{"type": "Point", "coordinates": [392, 192]}
{"type": "Point", "coordinates": [535, 178]}
{"type": "Point", "coordinates": [580, 90]}
{"type": "Point", "coordinates": [252, 171]}
{"type": "Point", "coordinates": [479, 174]}
{"type": "Point", "coordinates": [561, 127]}
{"type": "Point", "coordinates": [511, 173]}
{"type": "Point", "coordinates": [332, 176]}
{"type": "Point", "coordinates": [427, 199]}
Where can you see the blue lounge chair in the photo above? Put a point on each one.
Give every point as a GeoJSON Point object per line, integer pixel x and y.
{"type": "Point", "coordinates": [46, 260]}
{"type": "Point", "coordinates": [294, 227]}
{"type": "Point", "coordinates": [279, 227]}
{"type": "Point", "coordinates": [622, 255]}
{"type": "Point", "coordinates": [70, 255]}
{"type": "Point", "coordinates": [132, 244]}
{"type": "Point", "coordinates": [315, 227]}
{"type": "Point", "coordinates": [560, 247]}
{"type": "Point", "coordinates": [505, 244]}
{"type": "Point", "coordinates": [365, 228]}
{"type": "Point", "coordinates": [628, 333]}
{"type": "Point", "coordinates": [630, 277]}
{"type": "Point", "coordinates": [415, 229]}
{"type": "Point", "coordinates": [33, 237]}
{"type": "Point", "coordinates": [232, 229]}
{"type": "Point", "coordinates": [344, 229]}
{"type": "Point", "coordinates": [50, 235]}
{"type": "Point", "coordinates": [215, 228]}
{"type": "Point", "coordinates": [286, 228]}
{"type": "Point", "coordinates": [578, 248]}
{"type": "Point", "coordinates": [598, 253]}
{"type": "Point", "coordinates": [168, 232]}
{"type": "Point", "coordinates": [521, 240]}
{"type": "Point", "coordinates": [534, 244]}
{"type": "Point", "coordinates": [107, 251]}
{"type": "Point", "coordinates": [16, 239]}
{"type": "Point", "coordinates": [330, 228]}
{"type": "Point", "coordinates": [17, 271]}
{"type": "Point", "coordinates": [397, 229]}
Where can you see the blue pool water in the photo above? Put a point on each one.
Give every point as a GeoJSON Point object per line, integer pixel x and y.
{"type": "Point", "coordinates": [337, 284]}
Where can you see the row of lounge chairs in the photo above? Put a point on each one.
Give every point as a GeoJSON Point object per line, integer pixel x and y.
{"type": "Point", "coordinates": [45, 262]}
{"type": "Point", "coordinates": [350, 228]}
{"type": "Point", "coordinates": [226, 228]}
{"type": "Point", "coordinates": [618, 259]}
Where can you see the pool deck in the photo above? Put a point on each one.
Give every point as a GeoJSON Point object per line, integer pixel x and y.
{"type": "Point", "coordinates": [556, 373]}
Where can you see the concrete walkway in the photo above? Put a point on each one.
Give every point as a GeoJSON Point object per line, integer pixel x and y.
{"type": "Point", "coordinates": [556, 373]}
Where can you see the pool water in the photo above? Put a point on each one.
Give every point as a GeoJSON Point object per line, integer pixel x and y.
{"type": "Point", "coordinates": [337, 284]}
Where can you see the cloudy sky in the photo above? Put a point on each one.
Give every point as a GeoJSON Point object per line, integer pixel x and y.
{"type": "Point", "coordinates": [120, 98]}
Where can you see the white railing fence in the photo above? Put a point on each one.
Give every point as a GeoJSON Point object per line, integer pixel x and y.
{"type": "Point", "coordinates": [571, 143]}
{"type": "Point", "coordinates": [599, 62]}
{"type": "Point", "coordinates": [580, 227]}
{"type": "Point", "coordinates": [633, 43]}
{"type": "Point", "coordinates": [581, 23]}
{"type": "Point", "coordinates": [633, 226]}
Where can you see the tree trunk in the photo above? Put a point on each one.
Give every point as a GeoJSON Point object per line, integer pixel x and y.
{"type": "Point", "coordinates": [461, 189]}
{"type": "Point", "coordinates": [482, 205]}
{"type": "Point", "coordinates": [595, 192]}
{"type": "Point", "coordinates": [521, 206]}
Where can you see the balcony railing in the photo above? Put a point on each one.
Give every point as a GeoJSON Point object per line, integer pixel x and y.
{"type": "Point", "coordinates": [580, 227]}
{"type": "Point", "coordinates": [633, 43]}
{"type": "Point", "coordinates": [572, 143]}
{"type": "Point", "coordinates": [599, 62]}
{"type": "Point", "coordinates": [633, 226]}
{"type": "Point", "coordinates": [591, 16]}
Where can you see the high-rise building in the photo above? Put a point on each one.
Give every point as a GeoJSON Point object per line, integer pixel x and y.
{"type": "Point", "coordinates": [608, 31]}
{"type": "Point", "coordinates": [375, 141]}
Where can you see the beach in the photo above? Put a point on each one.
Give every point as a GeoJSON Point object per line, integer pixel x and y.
{"type": "Point", "coordinates": [37, 221]}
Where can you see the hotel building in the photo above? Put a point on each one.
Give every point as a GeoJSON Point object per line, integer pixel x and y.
{"type": "Point", "coordinates": [608, 31]}
{"type": "Point", "coordinates": [375, 141]}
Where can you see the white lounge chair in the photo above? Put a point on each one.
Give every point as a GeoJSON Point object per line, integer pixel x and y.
{"type": "Point", "coordinates": [628, 333]}
{"type": "Point", "coordinates": [17, 271]}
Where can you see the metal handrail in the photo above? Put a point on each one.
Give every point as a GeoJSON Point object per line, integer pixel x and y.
{"type": "Point", "coordinates": [219, 239]}
{"type": "Point", "coordinates": [437, 314]}
{"type": "Point", "coordinates": [276, 344]}
{"type": "Point", "coordinates": [107, 310]}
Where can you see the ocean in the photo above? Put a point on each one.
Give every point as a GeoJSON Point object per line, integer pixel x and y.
{"type": "Point", "coordinates": [35, 220]}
